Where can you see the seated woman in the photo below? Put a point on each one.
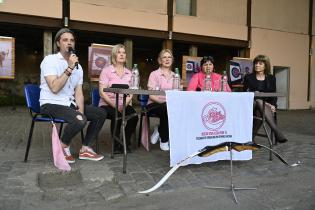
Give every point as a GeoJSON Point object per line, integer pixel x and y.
{"type": "Point", "coordinates": [197, 81]}
{"type": "Point", "coordinates": [262, 81]}
{"type": "Point", "coordinates": [117, 73]}
{"type": "Point", "coordinates": [161, 79]}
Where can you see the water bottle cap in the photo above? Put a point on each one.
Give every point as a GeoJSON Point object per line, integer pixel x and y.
{"type": "Point", "coordinates": [135, 65]}
{"type": "Point", "coordinates": [176, 70]}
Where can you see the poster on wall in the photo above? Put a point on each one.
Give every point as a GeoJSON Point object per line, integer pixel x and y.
{"type": "Point", "coordinates": [190, 66]}
{"type": "Point", "coordinates": [7, 57]}
{"type": "Point", "coordinates": [99, 57]}
{"type": "Point", "coordinates": [239, 67]}
{"type": "Point", "coordinates": [235, 71]}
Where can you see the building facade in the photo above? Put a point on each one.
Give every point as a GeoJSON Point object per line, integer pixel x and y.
{"type": "Point", "coordinates": [281, 29]}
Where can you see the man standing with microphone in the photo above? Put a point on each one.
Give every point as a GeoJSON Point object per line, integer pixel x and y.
{"type": "Point", "coordinates": [62, 97]}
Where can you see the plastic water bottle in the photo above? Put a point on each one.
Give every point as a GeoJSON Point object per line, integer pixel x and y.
{"type": "Point", "coordinates": [207, 84]}
{"type": "Point", "coordinates": [176, 80]}
{"type": "Point", "coordinates": [135, 77]}
{"type": "Point", "coordinates": [224, 82]}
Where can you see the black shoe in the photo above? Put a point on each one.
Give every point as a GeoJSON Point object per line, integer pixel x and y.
{"type": "Point", "coordinates": [281, 140]}
{"type": "Point", "coordinates": [119, 149]}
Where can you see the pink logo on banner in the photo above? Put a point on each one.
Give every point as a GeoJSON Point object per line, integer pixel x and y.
{"type": "Point", "coordinates": [213, 116]}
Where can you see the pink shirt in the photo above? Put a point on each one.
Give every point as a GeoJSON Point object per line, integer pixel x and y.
{"type": "Point", "coordinates": [198, 79]}
{"type": "Point", "coordinates": [158, 81]}
{"type": "Point", "coordinates": [108, 77]}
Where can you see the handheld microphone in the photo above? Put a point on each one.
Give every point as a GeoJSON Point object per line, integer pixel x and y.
{"type": "Point", "coordinates": [72, 51]}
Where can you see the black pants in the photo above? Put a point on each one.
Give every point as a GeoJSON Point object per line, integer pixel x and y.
{"type": "Point", "coordinates": [131, 123]}
{"type": "Point", "coordinates": [95, 115]}
{"type": "Point", "coordinates": [161, 111]}
{"type": "Point", "coordinates": [258, 110]}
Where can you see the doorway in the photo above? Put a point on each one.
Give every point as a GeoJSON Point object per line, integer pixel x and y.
{"type": "Point", "coordinates": [282, 74]}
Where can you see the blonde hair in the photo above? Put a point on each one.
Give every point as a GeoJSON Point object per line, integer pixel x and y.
{"type": "Point", "coordinates": [162, 53]}
{"type": "Point", "coordinates": [113, 57]}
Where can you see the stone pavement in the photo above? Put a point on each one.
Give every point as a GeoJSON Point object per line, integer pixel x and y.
{"type": "Point", "coordinates": [102, 185]}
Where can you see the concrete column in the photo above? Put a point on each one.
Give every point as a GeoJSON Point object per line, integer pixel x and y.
{"type": "Point", "coordinates": [129, 49]}
{"type": "Point", "coordinates": [167, 44]}
{"type": "Point", "coordinates": [244, 53]}
{"type": "Point", "coordinates": [48, 43]}
{"type": "Point", "coordinates": [193, 50]}
{"type": "Point", "coordinates": [312, 77]}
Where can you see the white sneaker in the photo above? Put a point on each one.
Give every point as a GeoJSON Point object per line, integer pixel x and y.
{"type": "Point", "coordinates": [164, 146]}
{"type": "Point", "coordinates": [155, 135]}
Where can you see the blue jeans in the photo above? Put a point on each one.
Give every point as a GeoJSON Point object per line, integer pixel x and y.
{"type": "Point", "coordinates": [77, 121]}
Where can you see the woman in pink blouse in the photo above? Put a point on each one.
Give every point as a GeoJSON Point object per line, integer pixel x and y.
{"type": "Point", "coordinates": [161, 79]}
{"type": "Point", "coordinates": [197, 81]}
{"type": "Point", "coordinates": [117, 73]}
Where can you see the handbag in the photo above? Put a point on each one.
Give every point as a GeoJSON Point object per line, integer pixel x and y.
{"type": "Point", "coordinates": [59, 157]}
{"type": "Point", "coordinates": [145, 133]}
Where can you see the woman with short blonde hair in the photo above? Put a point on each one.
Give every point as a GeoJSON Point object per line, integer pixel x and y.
{"type": "Point", "coordinates": [161, 79]}
{"type": "Point", "coordinates": [115, 50]}
{"type": "Point", "coordinates": [117, 73]}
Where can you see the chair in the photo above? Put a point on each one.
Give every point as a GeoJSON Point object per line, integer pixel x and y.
{"type": "Point", "coordinates": [143, 99]}
{"type": "Point", "coordinates": [32, 93]}
{"type": "Point", "coordinates": [270, 136]}
{"type": "Point", "coordinates": [95, 96]}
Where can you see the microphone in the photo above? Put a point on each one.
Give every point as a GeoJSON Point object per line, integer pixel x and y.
{"type": "Point", "coordinates": [72, 51]}
{"type": "Point", "coordinates": [198, 89]}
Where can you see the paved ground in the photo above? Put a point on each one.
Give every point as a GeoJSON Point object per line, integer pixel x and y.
{"type": "Point", "coordinates": [102, 185]}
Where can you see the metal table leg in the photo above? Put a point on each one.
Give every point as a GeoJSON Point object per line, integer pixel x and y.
{"type": "Point", "coordinates": [232, 187]}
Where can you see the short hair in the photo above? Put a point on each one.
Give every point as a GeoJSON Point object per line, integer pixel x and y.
{"type": "Point", "coordinates": [265, 60]}
{"type": "Point", "coordinates": [58, 36]}
{"type": "Point", "coordinates": [162, 53]}
{"type": "Point", "coordinates": [114, 53]}
{"type": "Point", "coordinates": [205, 59]}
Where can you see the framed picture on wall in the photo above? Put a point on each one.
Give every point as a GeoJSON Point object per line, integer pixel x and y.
{"type": "Point", "coordinates": [99, 57]}
{"type": "Point", "coordinates": [239, 67]}
{"type": "Point", "coordinates": [190, 66]}
{"type": "Point", "coordinates": [7, 57]}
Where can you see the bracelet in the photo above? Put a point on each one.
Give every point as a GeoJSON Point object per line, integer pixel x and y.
{"type": "Point", "coordinates": [67, 73]}
{"type": "Point", "coordinates": [70, 68]}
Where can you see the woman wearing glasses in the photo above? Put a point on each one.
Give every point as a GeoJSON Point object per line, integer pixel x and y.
{"type": "Point", "coordinates": [262, 81]}
{"type": "Point", "coordinates": [161, 79]}
{"type": "Point", "coordinates": [197, 82]}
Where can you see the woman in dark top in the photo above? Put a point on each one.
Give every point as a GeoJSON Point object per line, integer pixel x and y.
{"type": "Point", "coordinates": [262, 81]}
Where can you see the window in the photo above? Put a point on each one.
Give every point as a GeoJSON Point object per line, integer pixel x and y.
{"type": "Point", "coordinates": [186, 7]}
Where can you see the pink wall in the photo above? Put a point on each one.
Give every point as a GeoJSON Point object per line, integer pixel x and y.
{"type": "Point", "coordinates": [118, 16]}
{"type": "Point", "coordinates": [289, 50]}
{"type": "Point", "coordinates": [194, 25]}
{"type": "Point", "coordinates": [50, 8]}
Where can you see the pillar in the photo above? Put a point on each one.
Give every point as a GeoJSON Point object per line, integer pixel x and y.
{"type": "Point", "coordinates": [47, 43]}
{"type": "Point", "coordinates": [129, 51]}
{"type": "Point", "coordinates": [193, 50]}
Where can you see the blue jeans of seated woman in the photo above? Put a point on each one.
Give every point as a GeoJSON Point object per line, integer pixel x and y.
{"type": "Point", "coordinates": [95, 115]}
